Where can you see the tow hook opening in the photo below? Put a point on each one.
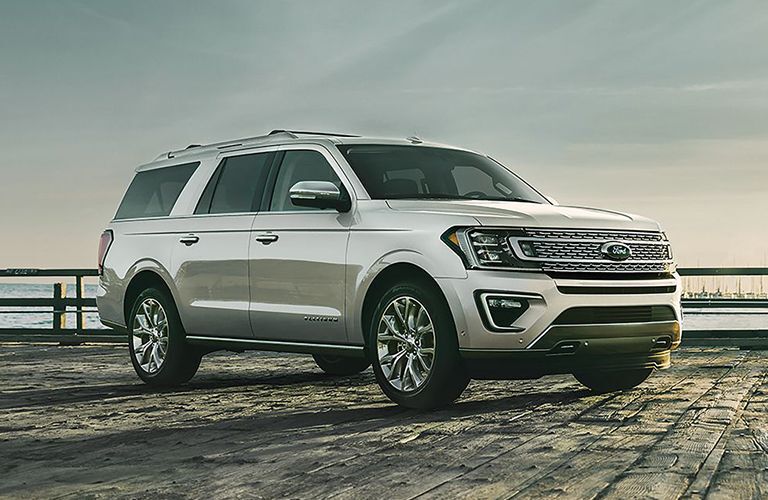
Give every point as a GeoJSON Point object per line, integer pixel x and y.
{"type": "Point", "coordinates": [566, 347]}
{"type": "Point", "coordinates": [663, 342]}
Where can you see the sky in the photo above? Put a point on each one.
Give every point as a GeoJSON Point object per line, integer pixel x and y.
{"type": "Point", "coordinates": [651, 107]}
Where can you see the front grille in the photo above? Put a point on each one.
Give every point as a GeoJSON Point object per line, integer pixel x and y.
{"type": "Point", "coordinates": [581, 251]}
{"type": "Point", "coordinates": [573, 250]}
{"type": "Point", "coordinates": [619, 314]}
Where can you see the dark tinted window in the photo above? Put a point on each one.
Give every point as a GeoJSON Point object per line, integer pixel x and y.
{"type": "Point", "coordinates": [154, 192]}
{"type": "Point", "coordinates": [300, 166]}
{"type": "Point", "coordinates": [419, 172]}
{"type": "Point", "coordinates": [237, 185]}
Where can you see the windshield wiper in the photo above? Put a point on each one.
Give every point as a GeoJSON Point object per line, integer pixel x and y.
{"type": "Point", "coordinates": [521, 200]}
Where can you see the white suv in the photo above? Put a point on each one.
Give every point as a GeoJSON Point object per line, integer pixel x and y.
{"type": "Point", "coordinates": [433, 263]}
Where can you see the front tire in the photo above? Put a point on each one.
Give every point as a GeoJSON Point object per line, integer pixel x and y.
{"type": "Point", "coordinates": [341, 365]}
{"type": "Point", "coordinates": [602, 382]}
{"type": "Point", "coordinates": [414, 347]}
{"type": "Point", "coordinates": [156, 341]}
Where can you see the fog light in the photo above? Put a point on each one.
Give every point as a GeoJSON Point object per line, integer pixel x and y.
{"type": "Point", "coordinates": [503, 311]}
{"type": "Point", "coordinates": [504, 304]}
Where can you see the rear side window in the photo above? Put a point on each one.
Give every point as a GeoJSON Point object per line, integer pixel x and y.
{"type": "Point", "coordinates": [154, 192]}
{"type": "Point", "coordinates": [236, 186]}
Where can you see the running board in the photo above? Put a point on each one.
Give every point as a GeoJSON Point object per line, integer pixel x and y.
{"type": "Point", "coordinates": [276, 345]}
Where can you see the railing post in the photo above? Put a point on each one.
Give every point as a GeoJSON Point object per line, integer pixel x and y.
{"type": "Point", "coordinates": [79, 288]}
{"type": "Point", "coordinates": [59, 309]}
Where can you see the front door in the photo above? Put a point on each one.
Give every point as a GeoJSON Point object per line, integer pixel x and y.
{"type": "Point", "coordinates": [297, 257]}
{"type": "Point", "coordinates": [210, 258]}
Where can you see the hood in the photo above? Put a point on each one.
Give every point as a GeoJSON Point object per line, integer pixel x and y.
{"type": "Point", "coordinates": [517, 214]}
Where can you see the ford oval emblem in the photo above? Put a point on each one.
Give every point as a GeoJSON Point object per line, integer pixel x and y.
{"type": "Point", "coordinates": [616, 251]}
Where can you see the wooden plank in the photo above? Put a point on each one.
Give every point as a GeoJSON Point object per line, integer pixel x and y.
{"type": "Point", "coordinates": [43, 335]}
{"type": "Point", "coordinates": [759, 343]}
{"type": "Point", "coordinates": [67, 339]}
{"type": "Point", "coordinates": [59, 318]}
{"type": "Point", "coordinates": [79, 292]}
{"type": "Point", "coordinates": [724, 303]}
{"type": "Point", "coordinates": [47, 273]}
{"type": "Point", "coordinates": [722, 271]}
{"type": "Point", "coordinates": [46, 302]}
{"type": "Point", "coordinates": [705, 334]}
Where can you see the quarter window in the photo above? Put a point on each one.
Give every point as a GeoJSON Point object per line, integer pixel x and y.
{"type": "Point", "coordinates": [236, 186]}
{"type": "Point", "coordinates": [153, 193]}
{"type": "Point", "coordinates": [297, 166]}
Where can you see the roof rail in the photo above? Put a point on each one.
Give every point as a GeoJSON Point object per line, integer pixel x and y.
{"type": "Point", "coordinates": [302, 132]}
{"type": "Point", "coordinates": [294, 134]}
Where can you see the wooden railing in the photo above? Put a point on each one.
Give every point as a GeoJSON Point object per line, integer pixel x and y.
{"type": "Point", "coordinates": [59, 305]}
{"type": "Point", "coordinates": [739, 337]}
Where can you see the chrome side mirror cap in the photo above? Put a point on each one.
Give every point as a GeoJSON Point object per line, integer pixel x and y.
{"type": "Point", "coordinates": [319, 194]}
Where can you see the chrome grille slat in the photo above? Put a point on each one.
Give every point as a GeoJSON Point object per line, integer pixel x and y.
{"type": "Point", "coordinates": [607, 267]}
{"type": "Point", "coordinates": [579, 251]}
{"type": "Point", "coordinates": [595, 235]}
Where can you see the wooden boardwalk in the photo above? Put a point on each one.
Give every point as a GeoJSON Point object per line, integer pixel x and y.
{"type": "Point", "coordinates": [74, 421]}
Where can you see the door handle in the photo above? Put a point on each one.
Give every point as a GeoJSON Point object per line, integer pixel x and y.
{"type": "Point", "coordinates": [266, 238]}
{"type": "Point", "coordinates": [189, 239]}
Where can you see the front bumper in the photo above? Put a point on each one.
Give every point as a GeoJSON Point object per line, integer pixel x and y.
{"type": "Point", "coordinates": [536, 332]}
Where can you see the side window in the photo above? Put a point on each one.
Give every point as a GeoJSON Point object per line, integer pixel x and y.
{"type": "Point", "coordinates": [236, 186]}
{"type": "Point", "coordinates": [153, 193]}
{"type": "Point", "coordinates": [299, 166]}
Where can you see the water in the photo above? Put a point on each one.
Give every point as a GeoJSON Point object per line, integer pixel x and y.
{"type": "Point", "coordinates": [711, 320]}
{"type": "Point", "coordinates": [43, 318]}
{"type": "Point", "coordinates": [726, 319]}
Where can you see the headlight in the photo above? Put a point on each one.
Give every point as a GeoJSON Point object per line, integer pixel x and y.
{"type": "Point", "coordinates": [486, 248]}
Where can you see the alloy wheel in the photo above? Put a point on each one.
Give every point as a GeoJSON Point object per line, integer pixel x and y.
{"type": "Point", "coordinates": [405, 341]}
{"type": "Point", "coordinates": [150, 335]}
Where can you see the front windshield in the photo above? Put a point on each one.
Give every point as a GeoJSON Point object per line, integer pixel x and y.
{"type": "Point", "coordinates": [391, 172]}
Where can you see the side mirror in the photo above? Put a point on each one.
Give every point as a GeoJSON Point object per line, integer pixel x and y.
{"type": "Point", "coordinates": [551, 200]}
{"type": "Point", "coordinates": [319, 194]}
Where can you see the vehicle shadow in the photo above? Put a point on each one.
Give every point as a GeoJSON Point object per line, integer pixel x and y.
{"type": "Point", "coordinates": [95, 392]}
{"type": "Point", "coordinates": [301, 386]}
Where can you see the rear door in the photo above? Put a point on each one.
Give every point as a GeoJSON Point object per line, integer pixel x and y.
{"type": "Point", "coordinates": [298, 256]}
{"type": "Point", "coordinates": [210, 256]}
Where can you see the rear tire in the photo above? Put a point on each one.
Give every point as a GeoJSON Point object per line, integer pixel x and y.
{"type": "Point", "coordinates": [611, 381]}
{"type": "Point", "coordinates": [157, 341]}
{"type": "Point", "coordinates": [341, 365]}
{"type": "Point", "coordinates": [414, 347]}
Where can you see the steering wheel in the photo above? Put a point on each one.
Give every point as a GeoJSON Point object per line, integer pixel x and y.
{"type": "Point", "coordinates": [475, 194]}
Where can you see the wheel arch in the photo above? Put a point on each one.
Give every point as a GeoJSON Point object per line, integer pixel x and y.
{"type": "Point", "coordinates": [142, 280]}
{"type": "Point", "coordinates": [388, 276]}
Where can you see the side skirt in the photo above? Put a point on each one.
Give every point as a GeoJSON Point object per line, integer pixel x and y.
{"type": "Point", "coordinates": [239, 345]}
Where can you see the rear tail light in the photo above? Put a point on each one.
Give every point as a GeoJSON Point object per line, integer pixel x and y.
{"type": "Point", "coordinates": [104, 243]}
